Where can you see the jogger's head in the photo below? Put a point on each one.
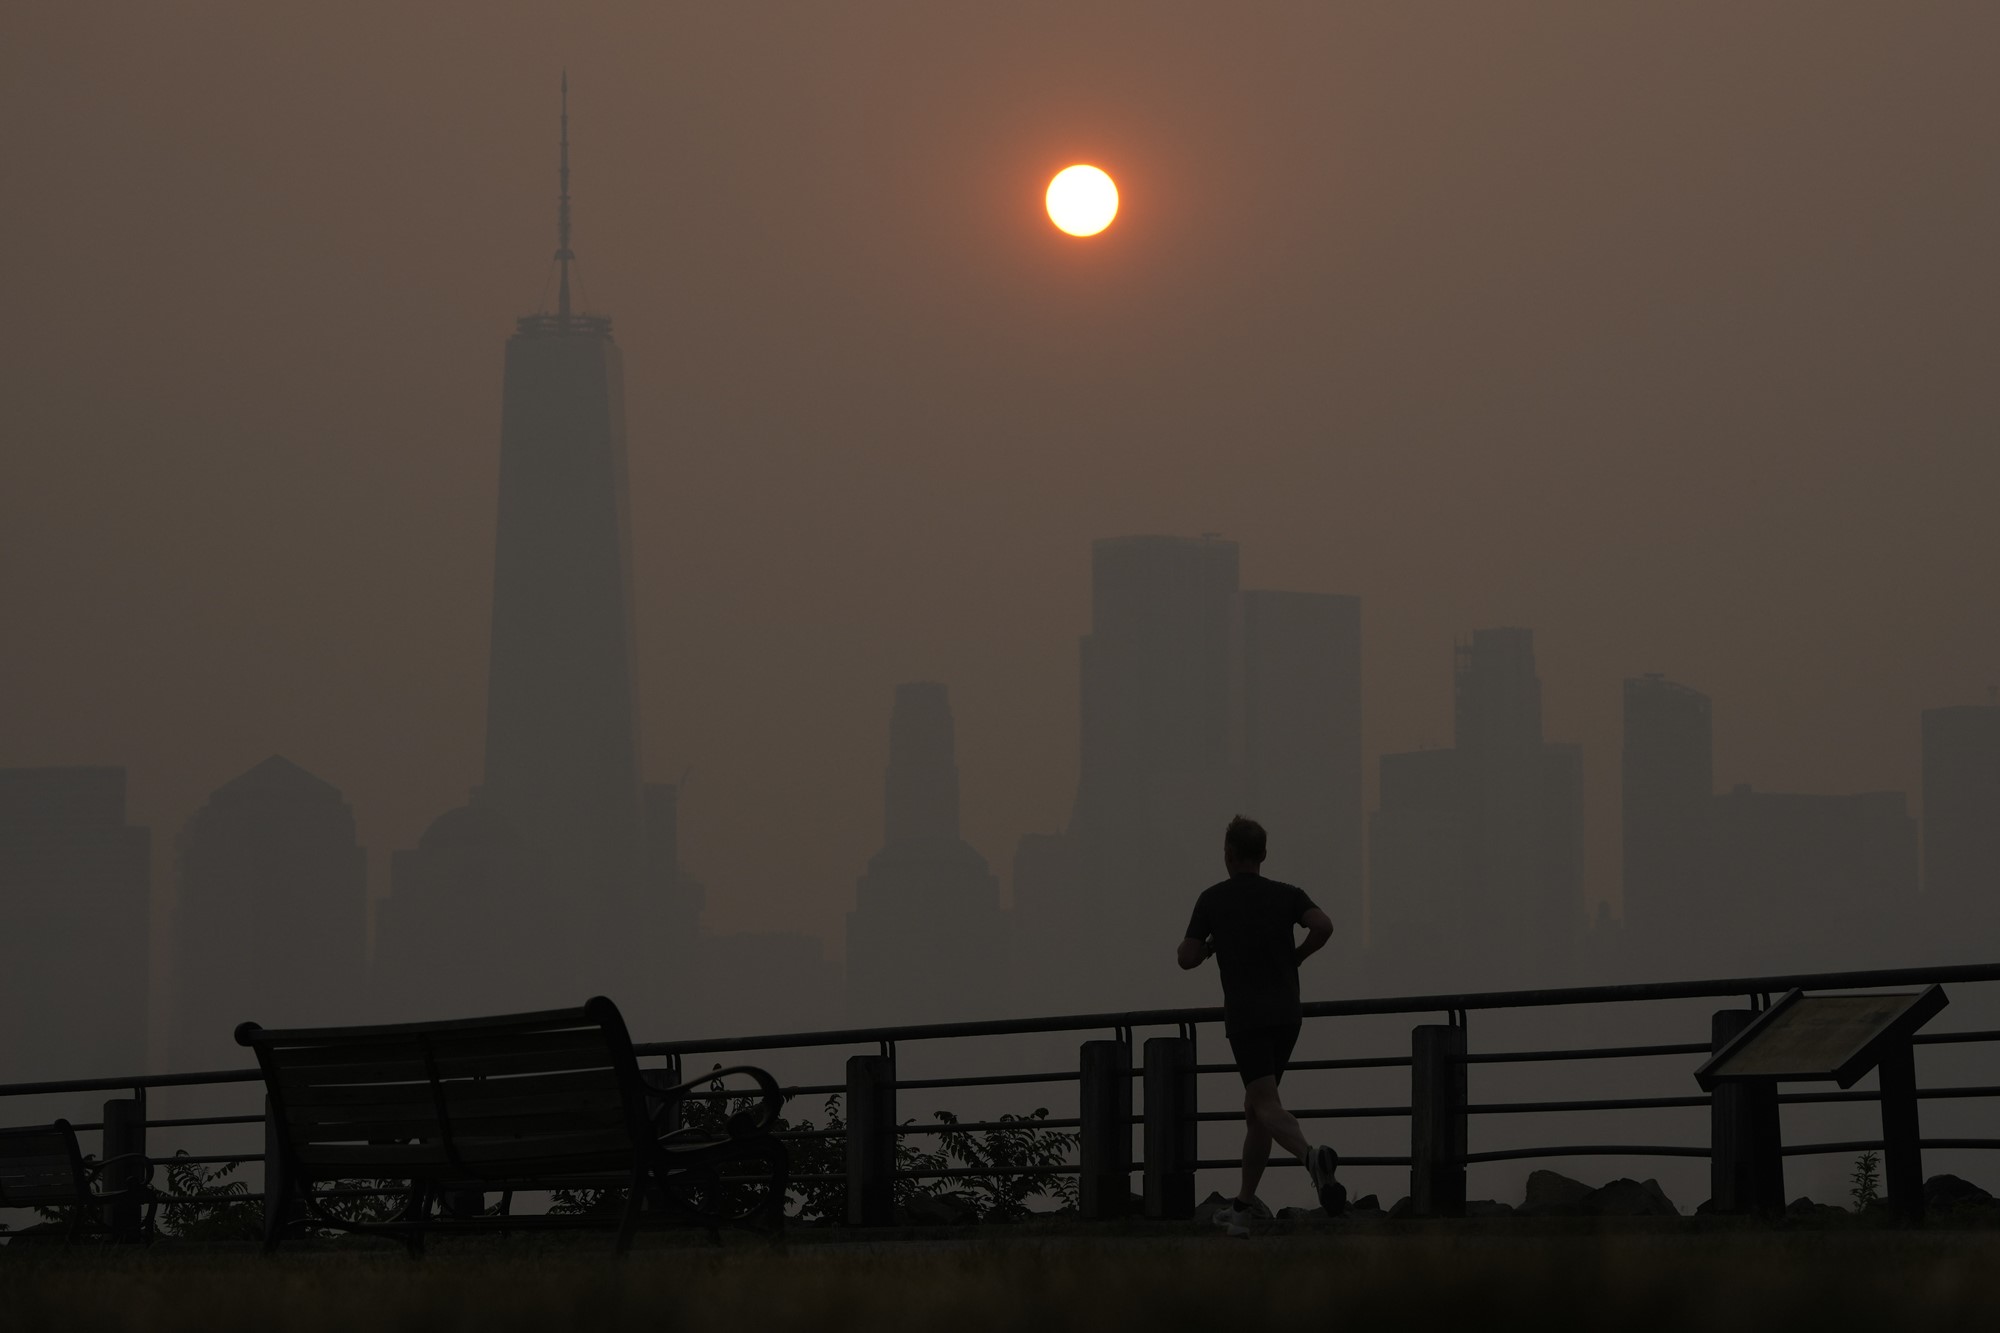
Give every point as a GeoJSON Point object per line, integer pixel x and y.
{"type": "Point", "coordinates": [1243, 846]}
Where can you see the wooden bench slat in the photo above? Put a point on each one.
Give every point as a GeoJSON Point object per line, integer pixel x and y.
{"type": "Point", "coordinates": [359, 1071]}
{"type": "Point", "coordinates": [589, 1043]}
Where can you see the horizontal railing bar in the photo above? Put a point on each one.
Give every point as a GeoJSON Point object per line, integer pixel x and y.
{"type": "Point", "coordinates": [1294, 1066]}
{"type": "Point", "coordinates": [989, 1080]}
{"type": "Point", "coordinates": [1601, 1104]}
{"type": "Point", "coordinates": [1323, 1113]}
{"type": "Point", "coordinates": [1230, 1163]}
{"type": "Point", "coordinates": [1417, 1004]}
{"type": "Point", "coordinates": [195, 1121]}
{"type": "Point", "coordinates": [1586, 1053]}
{"type": "Point", "coordinates": [214, 1159]}
{"type": "Point", "coordinates": [1147, 1018]}
{"type": "Point", "coordinates": [51, 1087]}
{"type": "Point", "coordinates": [987, 1126]}
{"type": "Point", "coordinates": [1587, 1150]}
{"type": "Point", "coordinates": [954, 1172]}
{"type": "Point", "coordinates": [1945, 1038]}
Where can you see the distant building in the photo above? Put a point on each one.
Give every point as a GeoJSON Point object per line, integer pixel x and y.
{"type": "Point", "coordinates": [74, 881]}
{"type": "Point", "coordinates": [1155, 787]}
{"type": "Point", "coordinates": [1419, 874]}
{"type": "Point", "coordinates": [1667, 797]}
{"type": "Point", "coordinates": [1523, 815]}
{"type": "Point", "coordinates": [270, 922]}
{"type": "Point", "coordinates": [1301, 746]}
{"type": "Point", "coordinates": [924, 941]}
{"type": "Point", "coordinates": [562, 767]}
{"type": "Point", "coordinates": [1810, 882]}
{"type": "Point", "coordinates": [1477, 863]}
{"type": "Point", "coordinates": [1961, 832]}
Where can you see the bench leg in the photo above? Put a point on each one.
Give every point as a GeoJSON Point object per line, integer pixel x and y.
{"type": "Point", "coordinates": [635, 1195]}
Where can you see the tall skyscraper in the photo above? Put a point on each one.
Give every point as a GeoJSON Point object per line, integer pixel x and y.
{"type": "Point", "coordinates": [270, 922]}
{"type": "Point", "coordinates": [1419, 874]}
{"type": "Point", "coordinates": [1526, 901]}
{"type": "Point", "coordinates": [924, 938]}
{"type": "Point", "coordinates": [74, 880]}
{"type": "Point", "coordinates": [1478, 867]}
{"type": "Point", "coordinates": [1667, 796]}
{"type": "Point", "coordinates": [1962, 829]}
{"type": "Point", "coordinates": [1301, 746]}
{"type": "Point", "coordinates": [562, 784]}
{"type": "Point", "coordinates": [1155, 786]}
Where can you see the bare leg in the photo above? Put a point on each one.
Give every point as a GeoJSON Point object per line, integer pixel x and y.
{"type": "Point", "coordinates": [1256, 1155]}
{"type": "Point", "coordinates": [1263, 1110]}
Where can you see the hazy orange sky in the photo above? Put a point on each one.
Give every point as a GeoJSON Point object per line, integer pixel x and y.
{"type": "Point", "coordinates": [1667, 330]}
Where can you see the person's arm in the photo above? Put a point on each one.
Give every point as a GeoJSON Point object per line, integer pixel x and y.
{"type": "Point", "coordinates": [1194, 944]}
{"type": "Point", "coordinates": [1319, 929]}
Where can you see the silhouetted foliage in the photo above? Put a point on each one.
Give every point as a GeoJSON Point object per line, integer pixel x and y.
{"type": "Point", "coordinates": [206, 1204]}
{"type": "Point", "coordinates": [1864, 1180]}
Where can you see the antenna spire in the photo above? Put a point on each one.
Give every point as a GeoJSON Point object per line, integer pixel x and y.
{"type": "Point", "coordinates": [563, 253]}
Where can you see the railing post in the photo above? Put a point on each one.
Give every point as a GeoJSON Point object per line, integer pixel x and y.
{"type": "Point", "coordinates": [1902, 1145]}
{"type": "Point", "coordinates": [1746, 1164]}
{"type": "Point", "coordinates": [1437, 1120]}
{"type": "Point", "coordinates": [871, 1140]}
{"type": "Point", "coordinates": [124, 1135]}
{"type": "Point", "coordinates": [1170, 1127]}
{"type": "Point", "coordinates": [1104, 1141]}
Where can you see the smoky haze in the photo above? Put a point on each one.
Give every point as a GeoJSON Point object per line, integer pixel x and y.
{"type": "Point", "coordinates": [1666, 332]}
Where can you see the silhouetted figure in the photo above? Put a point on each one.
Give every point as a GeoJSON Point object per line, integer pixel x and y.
{"type": "Point", "coordinates": [1246, 923]}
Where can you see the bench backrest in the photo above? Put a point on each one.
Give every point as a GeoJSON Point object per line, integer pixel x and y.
{"type": "Point", "coordinates": [41, 1166]}
{"type": "Point", "coordinates": [504, 1098]}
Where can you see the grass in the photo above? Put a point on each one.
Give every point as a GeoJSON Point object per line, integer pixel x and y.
{"type": "Point", "coordinates": [1443, 1278]}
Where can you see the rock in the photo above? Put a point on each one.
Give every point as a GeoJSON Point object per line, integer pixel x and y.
{"type": "Point", "coordinates": [1402, 1207]}
{"type": "Point", "coordinates": [1551, 1194]}
{"type": "Point", "coordinates": [1943, 1192]}
{"type": "Point", "coordinates": [1302, 1214]}
{"type": "Point", "coordinates": [1629, 1198]}
{"type": "Point", "coordinates": [1367, 1203]}
{"type": "Point", "coordinates": [941, 1210]}
{"type": "Point", "coordinates": [1805, 1210]}
{"type": "Point", "coordinates": [1488, 1208]}
{"type": "Point", "coordinates": [1205, 1211]}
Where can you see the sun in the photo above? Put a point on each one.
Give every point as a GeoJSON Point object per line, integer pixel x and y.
{"type": "Point", "coordinates": [1082, 200]}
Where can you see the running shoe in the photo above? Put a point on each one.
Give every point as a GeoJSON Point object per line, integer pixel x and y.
{"type": "Point", "coordinates": [1321, 1163]}
{"type": "Point", "coordinates": [1235, 1218]}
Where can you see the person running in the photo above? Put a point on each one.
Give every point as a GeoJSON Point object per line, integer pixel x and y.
{"type": "Point", "coordinates": [1245, 923]}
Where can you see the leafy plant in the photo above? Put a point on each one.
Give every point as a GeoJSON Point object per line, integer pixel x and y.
{"type": "Point", "coordinates": [205, 1204]}
{"type": "Point", "coordinates": [1863, 1180]}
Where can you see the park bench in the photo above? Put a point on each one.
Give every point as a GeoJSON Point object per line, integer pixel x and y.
{"type": "Point", "coordinates": [42, 1167]}
{"type": "Point", "coordinates": [449, 1111]}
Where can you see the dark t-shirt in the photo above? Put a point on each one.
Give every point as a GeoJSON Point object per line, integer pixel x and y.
{"type": "Point", "coordinates": [1247, 920]}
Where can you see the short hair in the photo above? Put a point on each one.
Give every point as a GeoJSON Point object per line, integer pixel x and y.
{"type": "Point", "coordinates": [1244, 840]}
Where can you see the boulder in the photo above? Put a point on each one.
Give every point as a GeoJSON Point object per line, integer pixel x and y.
{"type": "Point", "coordinates": [1629, 1198]}
{"type": "Point", "coordinates": [1488, 1208]}
{"type": "Point", "coordinates": [1947, 1192]}
{"type": "Point", "coordinates": [1367, 1203]}
{"type": "Point", "coordinates": [941, 1210]}
{"type": "Point", "coordinates": [1402, 1207]}
{"type": "Point", "coordinates": [1551, 1194]}
{"type": "Point", "coordinates": [1205, 1211]}
{"type": "Point", "coordinates": [1803, 1209]}
{"type": "Point", "coordinates": [1302, 1214]}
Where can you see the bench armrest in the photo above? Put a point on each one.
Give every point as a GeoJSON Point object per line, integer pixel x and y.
{"type": "Point", "coordinates": [767, 1112]}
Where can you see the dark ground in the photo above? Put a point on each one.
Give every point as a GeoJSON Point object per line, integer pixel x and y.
{"type": "Point", "coordinates": [1459, 1276]}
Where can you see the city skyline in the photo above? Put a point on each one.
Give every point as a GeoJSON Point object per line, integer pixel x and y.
{"type": "Point", "coordinates": [876, 461]}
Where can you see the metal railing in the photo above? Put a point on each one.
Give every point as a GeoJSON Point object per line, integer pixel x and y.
{"type": "Point", "coordinates": [1438, 1108]}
